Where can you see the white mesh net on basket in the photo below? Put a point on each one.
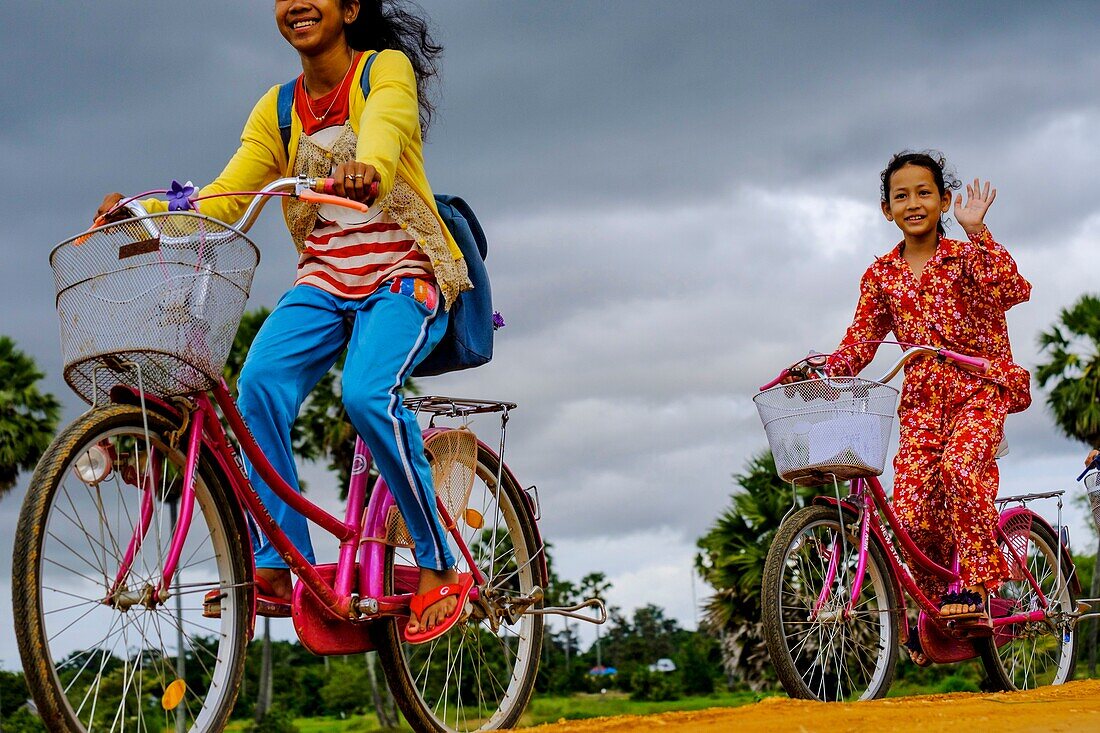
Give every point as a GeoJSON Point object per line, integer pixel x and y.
{"type": "Point", "coordinates": [821, 428]}
{"type": "Point", "coordinates": [452, 455]}
{"type": "Point", "coordinates": [1092, 485]}
{"type": "Point", "coordinates": [160, 296]}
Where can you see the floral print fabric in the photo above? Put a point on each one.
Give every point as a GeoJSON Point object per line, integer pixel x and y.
{"type": "Point", "coordinates": [951, 420]}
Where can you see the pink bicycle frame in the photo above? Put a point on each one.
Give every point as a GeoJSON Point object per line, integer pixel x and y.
{"type": "Point", "coordinates": [361, 531]}
{"type": "Point", "coordinates": [871, 524]}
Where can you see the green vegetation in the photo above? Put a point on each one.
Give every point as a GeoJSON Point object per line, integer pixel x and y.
{"type": "Point", "coordinates": [28, 417]}
{"type": "Point", "coordinates": [543, 709]}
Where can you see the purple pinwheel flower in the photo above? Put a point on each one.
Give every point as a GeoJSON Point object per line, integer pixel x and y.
{"type": "Point", "coordinates": [498, 320]}
{"type": "Point", "coordinates": [179, 196]}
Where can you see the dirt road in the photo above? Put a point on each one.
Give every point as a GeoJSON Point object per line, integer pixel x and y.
{"type": "Point", "coordinates": [1071, 707]}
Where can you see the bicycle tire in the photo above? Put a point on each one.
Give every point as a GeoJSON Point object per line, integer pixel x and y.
{"type": "Point", "coordinates": [89, 663]}
{"type": "Point", "coordinates": [827, 656]}
{"type": "Point", "coordinates": [474, 677]}
{"type": "Point", "coordinates": [1025, 656]}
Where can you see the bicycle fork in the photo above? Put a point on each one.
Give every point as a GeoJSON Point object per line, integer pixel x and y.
{"type": "Point", "coordinates": [119, 595]}
{"type": "Point", "coordinates": [836, 552]}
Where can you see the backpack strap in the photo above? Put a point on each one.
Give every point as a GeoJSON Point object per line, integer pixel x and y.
{"type": "Point", "coordinates": [286, 110]}
{"type": "Point", "coordinates": [364, 80]}
{"type": "Point", "coordinates": [286, 101]}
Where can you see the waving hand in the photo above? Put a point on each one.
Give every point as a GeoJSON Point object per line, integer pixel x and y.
{"type": "Point", "coordinates": [971, 214]}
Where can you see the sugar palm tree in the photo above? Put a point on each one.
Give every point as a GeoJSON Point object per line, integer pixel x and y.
{"type": "Point", "coordinates": [595, 585]}
{"type": "Point", "coordinates": [28, 417]}
{"type": "Point", "coordinates": [1072, 345]}
{"type": "Point", "coordinates": [732, 562]}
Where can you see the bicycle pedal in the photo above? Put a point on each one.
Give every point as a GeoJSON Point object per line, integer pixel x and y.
{"type": "Point", "coordinates": [212, 605]}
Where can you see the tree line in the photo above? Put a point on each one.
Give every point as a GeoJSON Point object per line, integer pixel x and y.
{"type": "Point", "coordinates": [726, 651]}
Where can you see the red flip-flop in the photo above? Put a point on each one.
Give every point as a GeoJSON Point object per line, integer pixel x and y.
{"type": "Point", "coordinates": [420, 603]}
{"type": "Point", "coordinates": [267, 603]}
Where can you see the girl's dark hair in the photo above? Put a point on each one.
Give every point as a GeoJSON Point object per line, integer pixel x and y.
{"type": "Point", "coordinates": [934, 161]}
{"type": "Point", "coordinates": [398, 25]}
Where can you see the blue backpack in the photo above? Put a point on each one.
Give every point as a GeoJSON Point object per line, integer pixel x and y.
{"type": "Point", "coordinates": [469, 339]}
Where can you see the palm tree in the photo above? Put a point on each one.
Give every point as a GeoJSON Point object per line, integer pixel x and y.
{"type": "Point", "coordinates": [732, 562]}
{"type": "Point", "coordinates": [1073, 347]}
{"type": "Point", "coordinates": [595, 585]}
{"type": "Point", "coordinates": [28, 417]}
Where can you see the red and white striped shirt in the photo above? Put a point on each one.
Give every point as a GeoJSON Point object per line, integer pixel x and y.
{"type": "Point", "coordinates": [350, 253]}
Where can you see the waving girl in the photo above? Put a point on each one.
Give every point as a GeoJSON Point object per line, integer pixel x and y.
{"type": "Point", "coordinates": [953, 294]}
{"type": "Point", "coordinates": [378, 284]}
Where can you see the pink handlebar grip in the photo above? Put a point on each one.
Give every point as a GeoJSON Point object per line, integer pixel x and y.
{"type": "Point", "coordinates": [323, 198]}
{"type": "Point", "coordinates": [777, 380]}
{"type": "Point", "coordinates": [328, 185]}
{"type": "Point", "coordinates": [976, 363]}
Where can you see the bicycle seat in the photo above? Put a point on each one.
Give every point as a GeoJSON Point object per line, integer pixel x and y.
{"type": "Point", "coordinates": [1002, 449]}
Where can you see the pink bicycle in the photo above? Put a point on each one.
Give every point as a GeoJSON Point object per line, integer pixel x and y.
{"type": "Point", "coordinates": [834, 585]}
{"type": "Point", "coordinates": [140, 511]}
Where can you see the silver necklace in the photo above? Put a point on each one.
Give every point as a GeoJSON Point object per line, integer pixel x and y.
{"type": "Point", "coordinates": [309, 102]}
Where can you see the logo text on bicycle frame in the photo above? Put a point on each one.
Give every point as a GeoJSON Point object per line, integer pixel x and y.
{"type": "Point", "coordinates": [358, 465]}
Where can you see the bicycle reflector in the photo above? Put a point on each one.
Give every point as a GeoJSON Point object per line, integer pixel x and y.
{"type": "Point", "coordinates": [173, 695]}
{"type": "Point", "coordinates": [93, 465]}
{"type": "Point", "coordinates": [474, 518]}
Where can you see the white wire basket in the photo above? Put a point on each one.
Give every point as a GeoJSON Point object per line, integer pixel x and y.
{"type": "Point", "coordinates": [151, 303]}
{"type": "Point", "coordinates": [1092, 485]}
{"type": "Point", "coordinates": [821, 428]}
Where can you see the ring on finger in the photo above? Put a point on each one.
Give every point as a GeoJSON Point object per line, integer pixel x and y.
{"type": "Point", "coordinates": [358, 175]}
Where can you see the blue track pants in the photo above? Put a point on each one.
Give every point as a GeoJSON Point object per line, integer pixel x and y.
{"type": "Point", "coordinates": [387, 334]}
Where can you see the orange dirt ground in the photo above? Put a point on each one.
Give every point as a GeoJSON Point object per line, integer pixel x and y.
{"type": "Point", "coordinates": [1072, 707]}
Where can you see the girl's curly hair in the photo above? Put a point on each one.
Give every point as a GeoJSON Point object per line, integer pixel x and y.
{"type": "Point", "coordinates": [399, 25]}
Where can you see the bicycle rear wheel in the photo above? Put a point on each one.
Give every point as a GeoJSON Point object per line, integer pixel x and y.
{"type": "Point", "coordinates": [103, 655]}
{"type": "Point", "coordinates": [826, 654]}
{"type": "Point", "coordinates": [480, 675]}
{"type": "Point", "coordinates": [1028, 655]}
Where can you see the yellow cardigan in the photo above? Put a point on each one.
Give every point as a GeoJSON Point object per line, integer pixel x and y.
{"type": "Point", "coordinates": [387, 125]}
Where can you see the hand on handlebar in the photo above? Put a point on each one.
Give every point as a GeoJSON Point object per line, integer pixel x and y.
{"type": "Point", "coordinates": [799, 373]}
{"type": "Point", "coordinates": [104, 214]}
{"type": "Point", "coordinates": [356, 181]}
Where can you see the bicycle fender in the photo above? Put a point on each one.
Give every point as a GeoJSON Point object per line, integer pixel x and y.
{"type": "Point", "coordinates": [1019, 514]}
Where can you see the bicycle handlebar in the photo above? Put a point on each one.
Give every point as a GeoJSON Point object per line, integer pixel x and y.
{"type": "Point", "coordinates": [313, 190]}
{"type": "Point", "coordinates": [815, 363]}
{"type": "Point", "coordinates": [1095, 464]}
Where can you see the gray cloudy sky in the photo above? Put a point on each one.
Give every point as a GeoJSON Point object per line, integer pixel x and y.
{"type": "Point", "coordinates": [680, 199]}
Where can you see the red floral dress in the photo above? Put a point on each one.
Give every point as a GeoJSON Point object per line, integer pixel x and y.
{"type": "Point", "coordinates": [951, 420]}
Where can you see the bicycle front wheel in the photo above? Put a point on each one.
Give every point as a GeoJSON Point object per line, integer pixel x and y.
{"type": "Point", "coordinates": [1028, 655]}
{"type": "Point", "coordinates": [102, 649]}
{"type": "Point", "coordinates": [820, 650]}
{"type": "Point", "coordinates": [480, 675]}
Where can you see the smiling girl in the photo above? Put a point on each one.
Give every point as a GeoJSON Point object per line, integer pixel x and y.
{"type": "Point", "coordinates": [378, 284]}
{"type": "Point", "coordinates": [950, 294]}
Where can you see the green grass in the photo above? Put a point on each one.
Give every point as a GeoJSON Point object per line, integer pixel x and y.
{"type": "Point", "coordinates": [551, 709]}
{"type": "Point", "coordinates": [545, 709]}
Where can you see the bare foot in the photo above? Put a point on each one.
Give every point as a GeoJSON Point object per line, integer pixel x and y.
{"type": "Point", "coordinates": [279, 580]}
{"type": "Point", "coordinates": [435, 613]}
{"type": "Point", "coordinates": [955, 609]}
